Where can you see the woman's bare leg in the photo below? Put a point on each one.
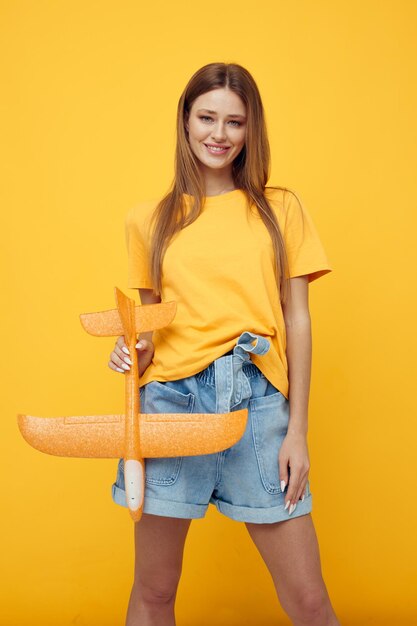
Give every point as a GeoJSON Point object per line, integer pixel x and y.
{"type": "Point", "coordinates": [291, 553]}
{"type": "Point", "coordinates": [159, 547]}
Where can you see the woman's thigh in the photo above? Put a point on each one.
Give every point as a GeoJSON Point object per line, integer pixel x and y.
{"type": "Point", "coordinates": [291, 552]}
{"type": "Point", "coordinates": [159, 548]}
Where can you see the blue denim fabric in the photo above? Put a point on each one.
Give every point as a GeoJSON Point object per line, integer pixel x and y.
{"type": "Point", "coordinates": [241, 481]}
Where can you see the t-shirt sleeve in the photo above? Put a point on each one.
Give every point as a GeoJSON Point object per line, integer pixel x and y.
{"type": "Point", "coordinates": [305, 251]}
{"type": "Point", "coordinates": [137, 243]}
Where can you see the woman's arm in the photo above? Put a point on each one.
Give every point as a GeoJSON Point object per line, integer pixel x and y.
{"type": "Point", "coordinates": [299, 345]}
{"type": "Point", "coordinates": [147, 296]}
{"type": "Point", "coordinates": [294, 451]}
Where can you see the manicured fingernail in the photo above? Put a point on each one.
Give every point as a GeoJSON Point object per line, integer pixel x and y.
{"type": "Point", "coordinates": [125, 350]}
{"type": "Point", "coordinates": [139, 345]}
{"type": "Point", "coordinates": [287, 505]}
{"type": "Point", "coordinates": [127, 360]}
{"type": "Point", "coordinates": [126, 367]}
{"type": "Point", "coordinates": [120, 370]}
{"type": "Point", "coordinates": [283, 483]}
{"type": "Point", "coordinates": [302, 498]}
{"type": "Point", "coordinates": [292, 508]}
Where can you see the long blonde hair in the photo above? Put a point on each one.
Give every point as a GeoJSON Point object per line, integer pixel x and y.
{"type": "Point", "coordinates": [250, 170]}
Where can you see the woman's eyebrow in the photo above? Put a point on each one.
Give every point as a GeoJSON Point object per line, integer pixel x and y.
{"type": "Point", "coordinates": [215, 113]}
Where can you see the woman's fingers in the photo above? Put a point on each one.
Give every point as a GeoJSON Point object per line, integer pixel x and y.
{"type": "Point", "coordinates": [115, 367]}
{"type": "Point", "coordinates": [146, 351]}
{"type": "Point", "coordinates": [119, 361]}
{"type": "Point", "coordinates": [122, 356]}
{"type": "Point", "coordinates": [121, 350]}
{"type": "Point", "coordinates": [143, 345]}
{"type": "Point", "coordinates": [293, 459]}
{"type": "Point", "coordinates": [293, 482]}
{"type": "Point", "coordinates": [296, 489]}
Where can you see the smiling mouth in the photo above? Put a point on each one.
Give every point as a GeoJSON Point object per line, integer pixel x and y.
{"type": "Point", "coordinates": [217, 150]}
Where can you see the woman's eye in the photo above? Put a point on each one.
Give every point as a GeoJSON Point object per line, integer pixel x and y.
{"type": "Point", "coordinates": [206, 117]}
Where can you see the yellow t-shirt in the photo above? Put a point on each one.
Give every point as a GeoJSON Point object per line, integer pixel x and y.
{"type": "Point", "coordinates": [220, 271]}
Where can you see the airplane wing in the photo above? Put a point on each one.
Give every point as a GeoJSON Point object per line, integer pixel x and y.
{"type": "Point", "coordinates": [147, 317]}
{"type": "Point", "coordinates": [190, 434]}
{"type": "Point", "coordinates": [161, 435]}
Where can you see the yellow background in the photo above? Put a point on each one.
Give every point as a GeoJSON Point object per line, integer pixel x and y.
{"type": "Point", "coordinates": [88, 105]}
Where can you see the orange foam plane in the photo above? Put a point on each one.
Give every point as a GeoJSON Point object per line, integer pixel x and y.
{"type": "Point", "coordinates": [134, 435]}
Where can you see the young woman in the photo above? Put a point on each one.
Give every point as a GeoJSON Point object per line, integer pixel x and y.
{"type": "Point", "coordinates": [237, 257]}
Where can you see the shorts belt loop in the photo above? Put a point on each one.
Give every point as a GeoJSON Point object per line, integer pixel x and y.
{"type": "Point", "coordinates": [245, 343]}
{"type": "Point", "coordinates": [223, 369]}
{"type": "Point", "coordinates": [232, 386]}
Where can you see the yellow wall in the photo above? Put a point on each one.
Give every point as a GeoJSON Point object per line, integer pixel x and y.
{"type": "Point", "coordinates": [88, 105]}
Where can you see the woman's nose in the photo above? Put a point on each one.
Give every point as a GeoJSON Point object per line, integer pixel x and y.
{"type": "Point", "coordinates": [218, 133]}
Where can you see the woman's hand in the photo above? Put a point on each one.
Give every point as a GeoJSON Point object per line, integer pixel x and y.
{"type": "Point", "coordinates": [119, 358]}
{"type": "Point", "coordinates": [294, 453]}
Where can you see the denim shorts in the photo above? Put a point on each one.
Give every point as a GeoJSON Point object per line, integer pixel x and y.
{"type": "Point", "coordinates": [241, 481]}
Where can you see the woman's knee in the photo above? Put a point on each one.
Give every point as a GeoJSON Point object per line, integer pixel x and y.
{"type": "Point", "coordinates": [309, 604]}
{"type": "Point", "coordinates": [157, 588]}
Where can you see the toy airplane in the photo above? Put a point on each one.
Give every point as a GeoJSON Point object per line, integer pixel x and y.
{"type": "Point", "coordinates": [134, 435]}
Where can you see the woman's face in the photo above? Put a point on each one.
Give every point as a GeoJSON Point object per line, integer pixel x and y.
{"type": "Point", "coordinates": [217, 118]}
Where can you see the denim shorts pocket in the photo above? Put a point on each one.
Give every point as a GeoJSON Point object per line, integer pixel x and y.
{"type": "Point", "coordinates": [270, 416]}
{"type": "Point", "coordinates": [164, 397]}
